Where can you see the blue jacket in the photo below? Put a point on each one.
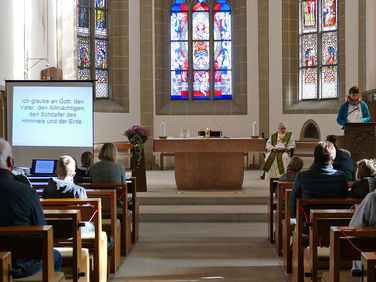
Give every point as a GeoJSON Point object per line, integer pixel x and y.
{"type": "Point", "coordinates": [343, 110]}
{"type": "Point", "coordinates": [320, 181]}
{"type": "Point", "coordinates": [344, 163]}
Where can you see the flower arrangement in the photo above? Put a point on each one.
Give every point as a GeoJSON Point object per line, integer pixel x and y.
{"type": "Point", "coordinates": [138, 135]}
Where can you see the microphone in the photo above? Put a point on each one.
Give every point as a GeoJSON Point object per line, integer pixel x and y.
{"type": "Point", "coordinates": [217, 125]}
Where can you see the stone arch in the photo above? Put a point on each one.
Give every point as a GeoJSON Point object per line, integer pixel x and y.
{"type": "Point", "coordinates": [310, 131]}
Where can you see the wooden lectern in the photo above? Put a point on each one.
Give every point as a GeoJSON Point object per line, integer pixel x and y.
{"type": "Point", "coordinates": [360, 140]}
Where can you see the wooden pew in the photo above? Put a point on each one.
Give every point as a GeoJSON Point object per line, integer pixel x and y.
{"type": "Point", "coordinates": [302, 212]}
{"type": "Point", "coordinates": [287, 229]}
{"type": "Point", "coordinates": [280, 214]}
{"type": "Point", "coordinates": [31, 242]}
{"type": "Point", "coordinates": [127, 224]}
{"type": "Point", "coordinates": [369, 266]}
{"type": "Point", "coordinates": [67, 238]}
{"type": "Point", "coordinates": [91, 210]}
{"type": "Point", "coordinates": [109, 223]}
{"type": "Point", "coordinates": [341, 251]}
{"type": "Point", "coordinates": [271, 208]}
{"type": "Point", "coordinates": [132, 188]}
{"type": "Point", "coordinates": [319, 235]}
{"type": "Point", "coordinates": [5, 266]}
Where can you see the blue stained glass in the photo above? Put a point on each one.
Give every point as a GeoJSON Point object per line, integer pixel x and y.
{"type": "Point", "coordinates": [201, 85]}
{"type": "Point", "coordinates": [201, 55]}
{"type": "Point", "coordinates": [222, 55]}
{"type": "Point", "coordinates": [83, 52]}
{"type": "Point", "coordinates": [223, 85]}
{"type": "Point", "coordinates": [179, 55]}
{"type": "Point", "coordinates": [200, 26]}
{"type": "Point", "coordinates": [222, 25]}
{"type": "Point", "coordinates": [179, 7]}
{"type": "Point", "coordinates": [100, 54]}
{"type": "Point", "coordinates": [222, 7]}
{"type": "Point", "coordinates": [101, 3]}
{"type": "Point", "coordinates": [179, 85]}
{"type": "Point", "coordinates": [179, 26]}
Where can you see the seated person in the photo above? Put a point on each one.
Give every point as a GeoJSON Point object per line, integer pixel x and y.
{"type": "Point", "coordinates": [294, 166]}
{"type": "Point", "coordinates": [107, 170]}
{"type": "Point", "coordinates": [343, 160]}
{"type": "Point", "coordinates": [63, 186]}
{"type": "Point", "coordinates": [87, 159]}
{"type": "Point", "coordinates": [20, 205]}
{"type": "Point", "coordinates": [365, 173]}
{"type": "Point", "coordinates": [364, 216]}
{"type": "Point", "coordinates": [321, 180]}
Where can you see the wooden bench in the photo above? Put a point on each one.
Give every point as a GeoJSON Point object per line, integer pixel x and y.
{"type": "Point", "coordinates": [287, 229]}
{"type": "Point", "coordinates": [316, 256]}
{"type": "Point", "coordinates": [109, 221]}
{"type": "Point", "coordinates": [342, 252]}
{"type": "Point", "coordinates": [303, 207]}
{"type": "Point", "coordinates": [127, 224]}
{"type": "Point", "coordinates": [132, 187]}
{"type": "Point", "coordinates": [31, 242]}
{"type": "Point", "coordinates": [369, 266]}
{"type": "Point", "coordinates": [5, 266]}
{"type": "Point", "coordinates": [280, 214]}
{"type": "Point", "coordinates": [67, 240]}
{"type": "Point", "coordinates": [272, 205]}
{"type": "Point", "coordinates": [91, 210]}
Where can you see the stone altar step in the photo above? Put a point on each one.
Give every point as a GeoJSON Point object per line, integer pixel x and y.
{"type": "Point", "coordinates": [203, 213]}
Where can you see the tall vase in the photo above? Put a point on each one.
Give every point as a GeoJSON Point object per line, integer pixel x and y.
{"type": "Point", "coordinates": [139, 172]}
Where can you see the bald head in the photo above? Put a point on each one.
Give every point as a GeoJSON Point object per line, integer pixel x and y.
{"type": "Point", "coordinates": [6, 156]}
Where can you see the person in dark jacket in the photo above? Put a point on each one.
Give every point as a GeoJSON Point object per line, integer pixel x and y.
{"type": "Point", "coordinates": [19, 205]}
{"type": "Point", "coordinates": [343, 160]}
{"type": "Point", "coordinates": [321, 180]}
{"type": "Point", "coordinates": [365, 173]}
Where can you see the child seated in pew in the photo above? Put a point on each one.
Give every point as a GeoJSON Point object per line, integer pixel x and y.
{"type": "Point", "coordinates": [365, 173]}
{"type": "Point", "coordinates": [87, 159]}
{"type": "Point", "coordinates": [63, 187]}
{"type": "Point", "coordinates": [295, 165]}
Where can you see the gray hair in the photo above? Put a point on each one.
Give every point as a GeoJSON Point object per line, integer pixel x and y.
{"type": "Point", "coordinates": [5, 152]}
{"type": "Point", "coordinates": [66, 166]}
{"type": "Point", "coordinates": [282, 123]}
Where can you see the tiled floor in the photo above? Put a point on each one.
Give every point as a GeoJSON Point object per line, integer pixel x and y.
{"type": "Point", "coordinates": [201, 251]}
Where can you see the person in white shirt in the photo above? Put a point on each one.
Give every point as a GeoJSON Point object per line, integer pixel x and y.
{"type": "Point", "coordinates": [278, 147]}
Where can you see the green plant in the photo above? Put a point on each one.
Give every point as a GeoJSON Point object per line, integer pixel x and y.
{"type": "Point", "coordinates": [138, 135]}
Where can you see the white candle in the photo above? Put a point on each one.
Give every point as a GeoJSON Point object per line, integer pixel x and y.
{"type": "Point", "coordinates": [254, 128]}
{"type": "Point", "coordinates": [162, 129]}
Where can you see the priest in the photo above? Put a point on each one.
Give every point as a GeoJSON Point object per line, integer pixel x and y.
{"type": "Point", "coordinates": [278, 148]}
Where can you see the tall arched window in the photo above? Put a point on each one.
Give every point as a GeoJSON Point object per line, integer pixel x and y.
{"type": "Point", "coordinates": [92, 44]}
{"type": "Point", "coordinates": [200, 50]}
{"type": "Point", "coordinates": [318, 49]}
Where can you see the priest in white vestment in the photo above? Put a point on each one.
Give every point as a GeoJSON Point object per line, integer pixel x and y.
{"type": "Point", "coordinates": [277, 156]}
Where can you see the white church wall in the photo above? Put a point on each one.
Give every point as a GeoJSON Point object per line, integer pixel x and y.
{"type": "Point", "coordinates": [371, 43]}
{"type": "Point", "coordinates": [326, 122]}
{"type": "Point", "coordinates": [109, 127]}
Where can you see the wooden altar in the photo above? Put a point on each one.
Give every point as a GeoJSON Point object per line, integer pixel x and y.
{"type": "Point", "coordinates": [209, 164]}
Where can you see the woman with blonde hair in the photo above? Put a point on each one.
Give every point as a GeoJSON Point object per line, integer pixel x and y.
{"type": "Point", "coordinates": [107, 170]}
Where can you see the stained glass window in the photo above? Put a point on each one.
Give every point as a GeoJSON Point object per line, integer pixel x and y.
{"type": "Point", "coordinates": [200, 50]}
{"type": "Point", "coordinates": [318, 49]}
{"type": "Point", "coordinates": [92, 60]}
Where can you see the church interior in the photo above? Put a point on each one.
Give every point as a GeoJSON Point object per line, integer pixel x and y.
{"type": "Point", "coordinates": [232, 71]}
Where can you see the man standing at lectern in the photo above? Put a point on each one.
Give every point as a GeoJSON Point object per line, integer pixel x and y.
{"type": "Point", "coordinates": [277, 156]}
{"type": "Point", "coordinates": [354, 110]}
